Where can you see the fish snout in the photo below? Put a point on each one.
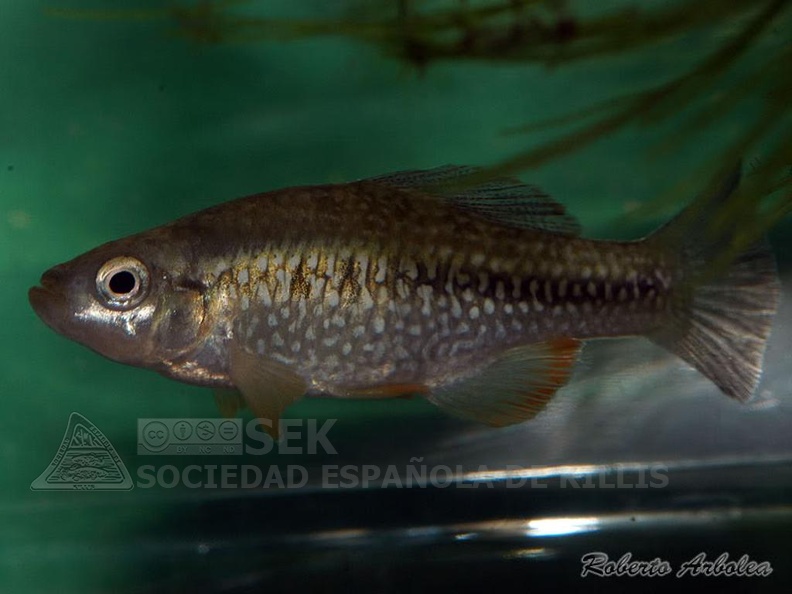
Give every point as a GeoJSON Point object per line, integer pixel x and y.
{"type": "Point", "coordinates": [48, 299]}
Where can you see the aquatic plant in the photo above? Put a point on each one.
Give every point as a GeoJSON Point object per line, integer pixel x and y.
{"type": "Point", "coordinates": [557, 33]}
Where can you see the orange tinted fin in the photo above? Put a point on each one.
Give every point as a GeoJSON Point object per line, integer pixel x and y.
{"type": "Point", "coordinates": [514, 388]}
{"type": "Point", "coordinates": [388, 391]}
{"type": "Point", "coordinates": [268, 387]}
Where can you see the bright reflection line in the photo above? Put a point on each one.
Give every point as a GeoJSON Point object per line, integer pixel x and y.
{"type": "Point", "coordinates": [561, 526]}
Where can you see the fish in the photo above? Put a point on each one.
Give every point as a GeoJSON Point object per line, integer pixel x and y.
{"type": "Point", "coordinates": [476, 298]}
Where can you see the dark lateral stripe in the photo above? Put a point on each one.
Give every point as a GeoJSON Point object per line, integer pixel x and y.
{"type": "Point", "coordinates": [589, 290]}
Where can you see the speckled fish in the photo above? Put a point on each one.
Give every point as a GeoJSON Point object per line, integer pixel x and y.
{"type": "Point", "coordinates": [476, 298]}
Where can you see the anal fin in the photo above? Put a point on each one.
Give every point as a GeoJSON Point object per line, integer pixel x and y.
{"type": "Point", "coordinates": [229, 402]}
{"type": "Point", "coordinates": [515, 388]}
{"type": "Point", "coordinates": [268, 387]}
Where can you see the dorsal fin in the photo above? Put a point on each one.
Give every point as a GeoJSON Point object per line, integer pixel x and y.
{"type": "Point", "coordinates": [504, 200]}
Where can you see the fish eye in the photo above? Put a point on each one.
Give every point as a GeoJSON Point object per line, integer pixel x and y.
{"type": "Point", "coordinates": [122, 282]}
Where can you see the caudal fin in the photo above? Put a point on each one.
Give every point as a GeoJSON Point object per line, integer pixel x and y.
{"type": "Point", "coordinates": [720, 319]}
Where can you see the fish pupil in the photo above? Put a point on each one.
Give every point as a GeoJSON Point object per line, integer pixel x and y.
{"type": "Point", "coordinates": [122, 282]}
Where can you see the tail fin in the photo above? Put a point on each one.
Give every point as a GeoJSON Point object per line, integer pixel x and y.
{"type": "Point", "coordinates": [720, 319]}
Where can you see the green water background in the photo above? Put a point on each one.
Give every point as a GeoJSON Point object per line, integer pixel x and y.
{"type": "Point", "coordinates": [108, 128]}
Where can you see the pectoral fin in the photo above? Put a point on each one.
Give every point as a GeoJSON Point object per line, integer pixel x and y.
{"type": "Point", "coordinates": [514, 388]}
{"type": "Point", "coordinates": [268, 387]}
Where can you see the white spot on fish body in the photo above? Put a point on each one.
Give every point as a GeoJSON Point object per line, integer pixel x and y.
{"type": "Point", "coordinates": [330, 340]}
{"type": "Point", "coordinates": [337, 320]}
{"type": "Point", "coordinates": [358, 331]}
{"type": "Point", "coordinates": [523, 305]}
{"type": "Point", "coordinates": [264, 295]}
{"type": "Point", "coordinates": [402, 289]}
{"type": "Point", "coordinates": [508, 308]}
{"type": "Point", "coordinates": [474, 313]}
{"type": "Point", "coordinates": [585, 273]}
{"type": "Point", "coordinates": [366, 301]}
{"type": "Point", "coordinates": [295, 347]}
{"type": "Point", "coordinates": [462, 328]}
{"type": "Point", "coordinates": [489, 306]}
{"type": "Point", "coordinates": [478, 259]}
{"type": "Point", "coordinates": [591, 288]}
{"type": "Point", "coordinates": [411, 270]}
{"type": "Point", "coordinates": [272, 320]}
{"type": "Point", "coordinates": [425, 293]}
{"type": "Point", "coordinates": [456, 308]}
{"type": "Point", "coordinates": [284, 312]}
{"type": "Point", "coordinates": [333, 298]}
{"type": "Point", "coordinates": [415, 330]}
{"type": "Point", "coordinates": [244, 302]}
{"type": "Point", "coordinates": [309, 333]}
{"type": "Point", "coordinates": [262, 263]}
{"type": "Point", "coordinates": [379, 324]}
{"type": "Point", "coordinates": [467, 295]}
{"type": "Point", "coordinates": [346, 349]}
{"type": "Point", "coordinates": [260, 346]}
{"type": "Point", "coordinates": [500, 291]}
{"type": "Point", "coordinates": [382, 268]}
{"type": "Point", "coordinates": [243, 277]}
{"type": "Point", "coordinates": [277, 340]}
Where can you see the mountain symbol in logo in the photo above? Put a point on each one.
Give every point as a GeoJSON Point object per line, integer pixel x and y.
{"type": "Point", "coordinates": [85, 461]}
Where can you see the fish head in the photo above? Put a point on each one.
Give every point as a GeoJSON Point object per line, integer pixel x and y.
{"type": "Point", "coordinates": [129, 300]}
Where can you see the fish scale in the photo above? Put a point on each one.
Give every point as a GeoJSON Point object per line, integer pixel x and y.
{"type": "Point", "coordinates": [466, 308]}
